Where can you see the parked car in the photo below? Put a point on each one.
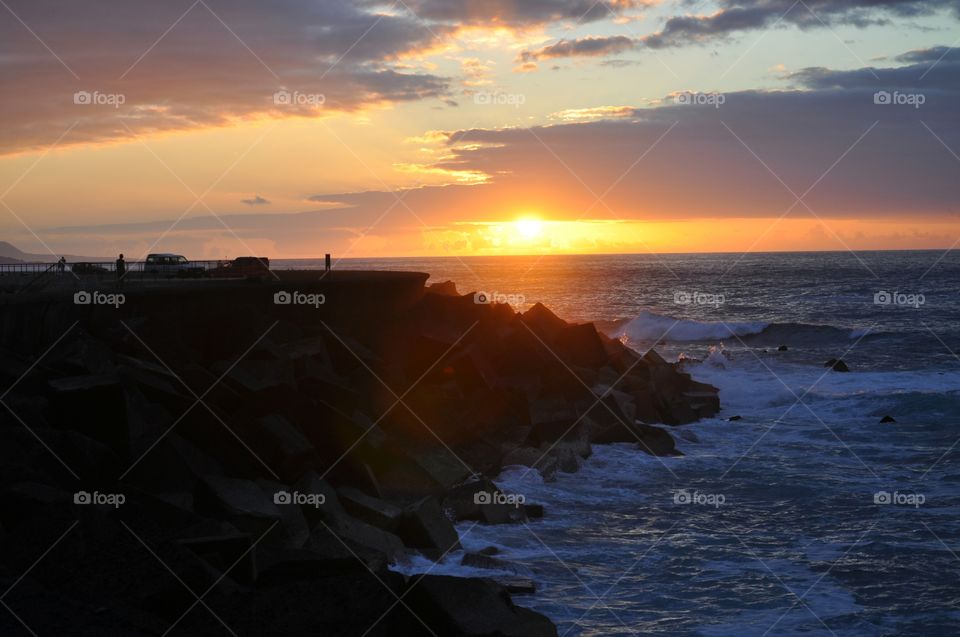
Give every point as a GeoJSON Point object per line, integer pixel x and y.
{"type": "Point", "coordinates": [171, 265]}
{"type": "Point", "coordinates": [243, 267]}
{"type": "Point", "coordinates": [88, 268]}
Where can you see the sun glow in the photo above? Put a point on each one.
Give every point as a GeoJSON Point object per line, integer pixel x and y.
{"type": "Point", "coordinates": [529, 228]}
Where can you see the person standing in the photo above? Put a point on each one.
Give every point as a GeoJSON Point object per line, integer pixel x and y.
{"type": "Point", "coordinates": [61, 265]}
{"type": "Point", "coordinates": [121, 268]}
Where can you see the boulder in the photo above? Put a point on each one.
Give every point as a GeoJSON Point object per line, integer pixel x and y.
{"type": "Point", "coordinates": [237, 498]}
{"type": "Point", "coordinates": [783, 348]}
{"type": "Point", "coordinates": [286, 449]}
{"type": "Point", "coordinates": [734, 418]}
{"type": "Point", "coordinates": [355, 532]}
{"type": "Point", "coordinates": [369, 509]}
{"type": "Point", "coordinates": [840, 366]}
{"type": "Point", "coordinates": [473, 607]}
{"type": "Point", "coordinates": [887, 419]}
{"type": "Point", "coordinates": [478, 560]}
{"type": "Point", "coordinates": [444, 288]}
{"type": "Point", "coordinates": [94, 405]}
{"type": "Point", "coordinates": [423, 526]}
{"type": "Point", "coordinates": [234, 555]}
{"type": "Point", "coordinates": [580, 345]}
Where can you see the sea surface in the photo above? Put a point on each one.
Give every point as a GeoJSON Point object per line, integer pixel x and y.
{"type": "Point", "coordinates": [807, 516]}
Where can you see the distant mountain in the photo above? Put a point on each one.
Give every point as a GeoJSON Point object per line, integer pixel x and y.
{"type": "Point", "coordinates": [9, 253]}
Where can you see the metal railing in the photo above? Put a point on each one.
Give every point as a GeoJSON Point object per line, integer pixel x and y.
{"type": "Point", "coordinates": [134, 268]}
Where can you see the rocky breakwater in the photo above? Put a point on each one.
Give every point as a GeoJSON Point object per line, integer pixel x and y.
{"type": "Point", "coordinates": [240, 458]}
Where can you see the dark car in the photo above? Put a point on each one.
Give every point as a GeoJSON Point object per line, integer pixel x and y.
{"type": "Point", "coordinates": [171, 265]}
{"type": "Point", "coordinates": [243, 268]}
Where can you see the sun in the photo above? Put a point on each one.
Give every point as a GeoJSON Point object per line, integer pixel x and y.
{"type": "Point", "coordinates": [529, 227]}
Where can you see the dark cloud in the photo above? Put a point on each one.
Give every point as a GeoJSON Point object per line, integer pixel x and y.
{"type": "Point", "coordinates": [581, 47]}
{"type": "Point", "coordinates": [220, 61]}
{"type": "Point", "coordinates": [255, 201]}
{"type": "Point", "coordinates": [826, 134]}
{"type": "Point", "coordinates": [521, 12]}
{"type": "Point", "coordinates": [743, 15]}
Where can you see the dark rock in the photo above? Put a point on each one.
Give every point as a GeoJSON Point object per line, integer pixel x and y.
{"type": "Point", "coordinates": [233, 552]}
{"type": "Point", "coordinates": [516, 585]}
{"type": "Point", "coordinates": [423, 526]}
{"type": "Point", "coordinates": [887, 419]}
{"type": "Point", "coordinates": [473, 607]}
{"type": "Point", "coordinates": [489, 550]}
{"type": "Point", "coordinates": [840, 366]}
{"type": "Point", "coordinates": [533, 511]}
{"type": "Point", "coordinates": [371, 510]}
{"type": "Point", "coordinates": [477, 560]}
{"type": "Point", "coordinates": [238, 497]}
{"type": "Point", "coordinates": [830, 363]}
{"type": "Point", "coordinates": [445, 288]}
{"type": "Point", "coordinates": [285, 447]}
{"type": "Point", "coordinates": [353, 531]}
{"type": "Point", "coordinates": [580, 345]}
{"type": "Point", "coordinates": [544, 322]}
{"type": "Point", "coordinates": [94, 405]}
{"type": "Point", "coordinates": [783, 348]}
{"type": "Point", "coordinates": [734, 418]}
{"type": "Point", "coordinates": [689, 436]}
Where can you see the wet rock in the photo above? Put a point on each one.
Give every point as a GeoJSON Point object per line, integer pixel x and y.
{"type": "Point", "coordinates": [423, 526]}
{"type": "Point", "coordinates": [887, 419]}
{"type": "Point", "coordinates": [516, 585]}
{"type": "Point", "coordinates": [783, 348]}
{"type": "Point", "coordinates": [473, 607]}
{"type": "Point", "coordinates": [840, 366]}
{"type": "Point", "coordinates": [477, 560]}
{"type": "Point", "coordinates": [734, 418]}
{"type": "Point", "coordinates": [830, 363]}
{"type": "Point", "coordinates": [689, 436]}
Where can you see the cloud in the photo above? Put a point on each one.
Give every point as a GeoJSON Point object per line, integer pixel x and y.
{"type": "Point", "coordinates": [823, 137]}
{"type": "Point", "coordinates": [214, 66]}
{"type": "Point", "coordinates": [580, 47]}
{"type": "Point", "coordinates": [743, 15]}
{"type": "Point", "coordinates": [594, 113]}
{"type": "Point", "coordinates": [256, 201]}
{"type": "Point", "coordinates": [522, 13]}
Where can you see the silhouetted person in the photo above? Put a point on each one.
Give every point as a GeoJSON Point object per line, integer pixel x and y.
{"type": "Point", "coordinates": [121, 270]}
{"type": "Point", "coordinates": [61, 265]}
{"type": "Point", "coordinates": [327, 263]}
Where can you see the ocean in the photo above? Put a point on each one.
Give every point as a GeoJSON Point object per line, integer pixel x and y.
{"type": "Point", "coordinates": [806, 516]}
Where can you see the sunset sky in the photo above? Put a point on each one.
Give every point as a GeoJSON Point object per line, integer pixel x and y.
{"type": "Point", "coordinates": [291, 128]}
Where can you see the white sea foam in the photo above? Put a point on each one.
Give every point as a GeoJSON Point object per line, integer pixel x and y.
{"type": "Point", "coordinates": [648, 326]}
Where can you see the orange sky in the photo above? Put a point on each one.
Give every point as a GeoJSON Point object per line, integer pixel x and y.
{"type": "Point", "coordinates": [453, 128]}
